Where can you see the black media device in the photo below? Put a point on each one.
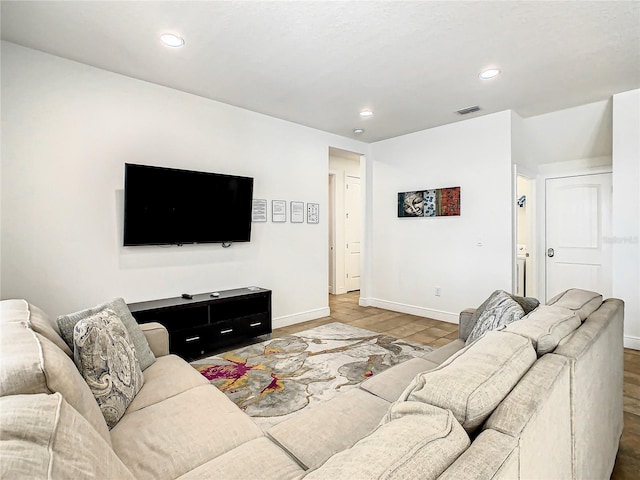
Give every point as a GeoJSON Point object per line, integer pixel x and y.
{"type": "Point", "coordinates": [187, 296]}
{"type": "Point", "coordinates": [167, 206]}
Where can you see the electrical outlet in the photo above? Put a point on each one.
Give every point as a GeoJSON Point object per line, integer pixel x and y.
{"type": "Point", "coordinates": [438, 291]}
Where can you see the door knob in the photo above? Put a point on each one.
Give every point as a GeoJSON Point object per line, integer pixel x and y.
{"type": "Point", "coordinates": [550, 252]}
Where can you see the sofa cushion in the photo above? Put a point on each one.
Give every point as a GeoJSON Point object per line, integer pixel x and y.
{"type": "Point", "coordinates": [392, 382]}
{"type": "Point", "coordinates": [475, 380]}
{"type": "Point", "coordinates": [546, 326]}
{"type": "Point", "coordinates": [314, 435]}
{"type": "Point", "coordinates": [414, 440]}
{"type": "Point", "coordinates": [32, 364]}
{"type": "Point", "coordinates": [38, 321]}
{"type": "Point", "coordinates": [500, 309]}
{"type": "Point", "coordinates": [44, 437]}
{"type": "Point", "coordinates": [583, 302]}
{"type": "Point", "coordinates": [172, 437]}
{"type": "Point", "coordinates": [259, 458]}
{"type": "Point", "coordinates": [169, 375]}
{"type": "Point", "coordinates": [106, 358]}
{"type": "Point", "coordinates": [118, 305]}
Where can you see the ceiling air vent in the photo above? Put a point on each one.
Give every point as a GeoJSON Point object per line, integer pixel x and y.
{"type": "Point", "coordinates": [468, 110]}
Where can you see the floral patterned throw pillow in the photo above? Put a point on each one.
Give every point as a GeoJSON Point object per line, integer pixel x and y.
{"type": "Point", "coordinates": [107, 360]}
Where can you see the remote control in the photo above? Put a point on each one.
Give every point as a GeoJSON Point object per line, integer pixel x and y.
{"type": "Point", "coordinates": [215, 294]}
{"type": "Point", "coordinates": [188, 296]}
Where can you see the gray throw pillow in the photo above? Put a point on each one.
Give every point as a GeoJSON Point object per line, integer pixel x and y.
{"type": "Point", "coordinates": [528, 304]}
{"type": "Point", "coordinates": [118, 305]}
{"type": "Point", "coordinates": [499, 310]}
{"type": "Point", "coordinates": [107, 361]}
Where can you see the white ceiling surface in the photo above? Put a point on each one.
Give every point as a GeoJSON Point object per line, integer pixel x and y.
{"type": "Point", "coordinates": [319, 63]}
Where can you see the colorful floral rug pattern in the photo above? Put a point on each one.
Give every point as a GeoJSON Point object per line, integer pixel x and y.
{"type": "Point", "coordinates": [272, 380]}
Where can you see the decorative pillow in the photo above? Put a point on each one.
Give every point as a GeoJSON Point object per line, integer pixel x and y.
{"type": "Point", "coordinates": [107, 361]}
{"type": "Point", "coordinates": [528, 304]}
{"type": "Point", "coordinates": [499, 310]}
{"type": "Point", "coordinates": [118, 305]}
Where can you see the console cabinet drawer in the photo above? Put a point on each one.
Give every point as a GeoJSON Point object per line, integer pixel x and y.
{"type": "Point", "coordinates": [192, 342]}
{"type": "Point", "coordinates": [255, 325]}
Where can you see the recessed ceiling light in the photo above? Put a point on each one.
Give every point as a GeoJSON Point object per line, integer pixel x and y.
{"type": "Point", "coordinates": [171, 40]}
{"type": "Point", "coordinates": [489, 73]}
{"type": "Point", "coordinates": [366, 113]}
{"type": "Point", "coordinates": [358, 130]}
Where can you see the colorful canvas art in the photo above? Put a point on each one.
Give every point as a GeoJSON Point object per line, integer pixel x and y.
{"type": "Point", "coordinates": [436, 202]}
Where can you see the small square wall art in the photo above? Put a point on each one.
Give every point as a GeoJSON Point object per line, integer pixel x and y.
{"type": "Point", "coordinates": [437, 202]}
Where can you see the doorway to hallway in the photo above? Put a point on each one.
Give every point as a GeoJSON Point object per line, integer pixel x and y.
{"type": "Point", "coordinates": [345, 221]}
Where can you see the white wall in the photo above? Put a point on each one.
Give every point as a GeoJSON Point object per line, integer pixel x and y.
{"type": "Point", "coordinates": [566, 135]}
{"type": "Point", "coordinates": [411, 256]}
{"type": "Point", "coordinates": [626, 210]}
{"type": "Point", "coordinates": [68, 129]}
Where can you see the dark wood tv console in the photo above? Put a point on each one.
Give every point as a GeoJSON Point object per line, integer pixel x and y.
{"type": "Point", "coordinates": [206, 323]}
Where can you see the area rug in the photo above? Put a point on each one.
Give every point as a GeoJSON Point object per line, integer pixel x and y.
{"type": "Point", "coordinates": [275, 379]}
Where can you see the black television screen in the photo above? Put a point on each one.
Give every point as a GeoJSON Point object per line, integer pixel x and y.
{"type": "Point", "coordinates": [170, 206]}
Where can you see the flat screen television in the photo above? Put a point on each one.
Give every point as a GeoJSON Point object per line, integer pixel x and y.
{"type": "Point", "coordinates": [167, 206]}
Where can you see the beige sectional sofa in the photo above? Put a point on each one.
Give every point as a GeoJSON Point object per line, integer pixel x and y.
{"type": "Point", "coordinates": [540, 399]}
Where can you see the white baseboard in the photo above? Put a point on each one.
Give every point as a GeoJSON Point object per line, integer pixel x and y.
{"type": "Point", "coordinates": [411, 309]}
{"type": "Point", "coordinates": [632, 342]}
{"type": "Point", "coordinates": [300, 317]}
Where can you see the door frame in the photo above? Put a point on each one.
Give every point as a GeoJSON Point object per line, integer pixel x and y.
{"type": "Point", "coordinates": [534, 204]}
{"type": "Point", "coordinates": [332, 231]}
{"type": "Point", "coordinates": [365, 212]}
{"type": "Point", "coordinates": [549, 171]}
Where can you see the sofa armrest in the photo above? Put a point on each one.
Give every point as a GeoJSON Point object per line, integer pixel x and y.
{"type": "Point", "coordinates": [464, 325]}
{"type": "Point", "coordinates": [157, 336]}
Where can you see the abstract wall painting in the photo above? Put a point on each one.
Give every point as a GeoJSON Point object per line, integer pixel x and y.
{"type": "Point", "coordinates": [436, 202]}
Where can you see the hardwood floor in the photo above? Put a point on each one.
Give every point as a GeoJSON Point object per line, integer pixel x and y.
{"type": "Point", "coordinates": [345, 309]}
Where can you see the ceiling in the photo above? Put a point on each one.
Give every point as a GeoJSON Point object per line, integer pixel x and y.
{"type": "Point", "coordinates": [319, 63]}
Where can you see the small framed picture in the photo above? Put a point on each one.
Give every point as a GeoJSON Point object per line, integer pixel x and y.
{"type": "Point", "coordinates": [279, 211]}
{"type": "Point", "coordinates": [259, 211]}
{"type": "Point", "coordinates": [297, 212]}
{"type": "Point", "coordinates": [313, 213]}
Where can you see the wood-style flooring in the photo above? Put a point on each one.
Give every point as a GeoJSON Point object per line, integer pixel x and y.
{"type": "Point", "coordinates": [345, 309]}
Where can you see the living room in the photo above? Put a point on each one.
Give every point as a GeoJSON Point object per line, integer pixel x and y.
{"type": "Point", "coordinates": [69, 127]}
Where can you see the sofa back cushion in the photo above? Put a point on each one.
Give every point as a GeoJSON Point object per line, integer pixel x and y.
{"type": "Point", "coordinates": [546, 326]}
{"type": "Point", "coordinates": [583, 302]}
{"type": "Point", "coordinates": [21, 311]}
{"type": "Point", "coordinates": [413, 440]}
{"type": "Point", "coordinates": [44, 437]}
{"type": "Point", "coordinates": [472, 382]}
{"type": "Point", "coordinates": [32, 364]}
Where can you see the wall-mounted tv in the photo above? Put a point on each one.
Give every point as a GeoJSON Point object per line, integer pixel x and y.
{"type": "Point", "coordinates": [167, 206]}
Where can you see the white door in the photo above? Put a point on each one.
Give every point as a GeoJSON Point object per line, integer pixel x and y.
{"type": "Point", "coordinates": [578, 232]}
{"type": "Point", "coordinates": [352, 233]}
